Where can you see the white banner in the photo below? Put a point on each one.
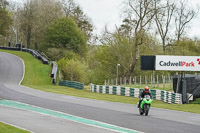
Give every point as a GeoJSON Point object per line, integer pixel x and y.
{"type": "Point", "coordinates": [177, 63]}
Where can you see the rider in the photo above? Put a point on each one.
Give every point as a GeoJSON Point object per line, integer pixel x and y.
{"type": "Point", "coordinates": [143, 93]}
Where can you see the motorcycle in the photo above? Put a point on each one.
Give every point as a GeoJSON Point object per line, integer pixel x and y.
{"type": "Point", "coordinates": [145, 105]}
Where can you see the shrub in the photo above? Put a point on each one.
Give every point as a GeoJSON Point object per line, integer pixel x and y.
{"type": "Point", "coordinates": [73, 70]}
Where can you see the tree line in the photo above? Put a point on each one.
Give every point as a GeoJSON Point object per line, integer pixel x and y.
{"type": "Point", "coordinates": [64, 33]}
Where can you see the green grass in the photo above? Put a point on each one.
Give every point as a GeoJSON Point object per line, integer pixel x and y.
{"type": "Point", "coordinates": [197, 101]}
{"type": "Point", "coordinates": [43, 82]}
{"type": "Point", "coordinates": [4, 128]}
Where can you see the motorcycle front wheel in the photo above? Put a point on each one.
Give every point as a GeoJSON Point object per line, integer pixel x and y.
{"type": "Point", "coordinates": [140, 111]}
{"type": "Point", "coordinates": [146, 109]}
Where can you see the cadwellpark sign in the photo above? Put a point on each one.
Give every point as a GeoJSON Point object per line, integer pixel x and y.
{"type": "Point", "coordinates": [177, 63]}
{"type": "Point", "coordinates": [180, 63]}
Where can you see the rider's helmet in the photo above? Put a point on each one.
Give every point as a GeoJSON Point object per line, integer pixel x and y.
{"type": "Point", "coordinates": [146, 89]}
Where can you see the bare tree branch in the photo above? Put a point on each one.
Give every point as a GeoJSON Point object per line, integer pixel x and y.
{"type": "Point", "coordinates": [145, 11]}
{"type": "Point", "coordinates": [163, 21]}
{"type": "Point", "coordinates": [184, 15]}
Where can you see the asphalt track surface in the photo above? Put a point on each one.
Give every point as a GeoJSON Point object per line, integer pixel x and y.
{"type": "Point", "coordinates": [118, 114]}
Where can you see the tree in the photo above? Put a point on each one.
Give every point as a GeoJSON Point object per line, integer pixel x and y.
{"type": "Point", "coordinates": [14, 35]}
{"type": "Point", "coordinates": [184, 14]}
{"type": "Point", "coordinates": [47, 12]}
{"type": "Point", "coordinates": [140, 14]}
{"type": "Point", "coordinates": [105, 64]}
{"type": "Point", "coordinates": [68, 7]}
{"type": "Point", "coordinates": [73, 10]}
{"type": "Point", "coordinates": [119, 48]}
{"type": "Point", "coordinates": [65, 34]}
{"type": "Point", "coordinates": [26, 20]}
{"type": "Point", "coordinates": [163, 19]}
{"type": "Point", "coordinates": [186, 47]}
{"type": "Point", "coordinates": [35, 16]}
{"type": "Point", "coordinates": [5, 18]}
{"type": "Point", "coordinates": [83, 22]}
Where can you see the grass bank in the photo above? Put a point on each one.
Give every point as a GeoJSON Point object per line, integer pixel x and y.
{"type": "Point", "coordinates": [4, 128]}
{"type": "Point", "coordinates": [34, 79]}
{"type": "Point", "coordinates": [36, 73]}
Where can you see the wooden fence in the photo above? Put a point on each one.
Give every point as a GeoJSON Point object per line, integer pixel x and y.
{"type": "Point", "coordinates": [155, 81]}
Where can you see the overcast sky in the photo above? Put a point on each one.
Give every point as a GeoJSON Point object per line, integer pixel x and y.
{"type": "Point", "coordinates": [107, 12]}
{"type": "Point", "coordinates": [102, 12]}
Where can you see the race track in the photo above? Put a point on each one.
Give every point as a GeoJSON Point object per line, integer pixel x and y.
{"type": "Point", "coordinates": [27, 111]}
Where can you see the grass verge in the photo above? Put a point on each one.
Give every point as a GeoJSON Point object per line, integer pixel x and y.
{"type": "Point", "coordinates": [10, 129]}
{"type": "Point", "coordinates": [42, 82]}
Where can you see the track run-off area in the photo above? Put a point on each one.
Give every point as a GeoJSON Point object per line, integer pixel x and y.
{"type": "Point", "coordinates": [42, 112]}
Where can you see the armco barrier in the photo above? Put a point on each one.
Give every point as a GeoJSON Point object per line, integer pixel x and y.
{"type": "Point", "coordinates": [37, 55]}
{"type": "Point", "coordinates": [165, 96]}
{"type": "Point", "coordinates": [54, 71]}
{"type": "Point", "coordinates": [33, 52]}
{"type": "Point", "coordinates": [73, 84]}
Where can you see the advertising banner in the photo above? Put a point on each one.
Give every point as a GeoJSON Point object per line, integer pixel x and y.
{"type": "Point", "coordinates": [177, 63]}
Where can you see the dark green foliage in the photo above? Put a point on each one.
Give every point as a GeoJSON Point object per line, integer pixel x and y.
{"type": "Point", "coordinates": [65, 34]}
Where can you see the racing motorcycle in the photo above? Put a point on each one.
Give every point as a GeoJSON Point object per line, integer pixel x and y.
{"type": "Point", "coordinates": [145, 105]}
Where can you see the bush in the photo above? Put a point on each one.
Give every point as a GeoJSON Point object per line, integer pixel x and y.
{"type": "Point", "coordinates": [73, 70]}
